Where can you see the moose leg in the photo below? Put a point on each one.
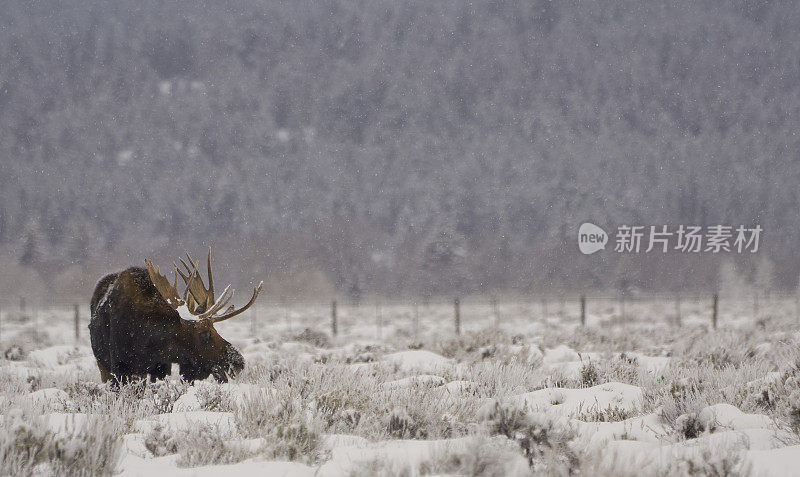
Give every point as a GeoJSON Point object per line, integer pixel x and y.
{"type": "Point", "coordinates": [159, 371]}
{"type": "Point", "coordinates": [104, 374]}
{"type": "Point", "coordinates": [122, 373]}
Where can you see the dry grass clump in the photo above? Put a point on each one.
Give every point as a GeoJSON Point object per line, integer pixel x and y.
{"type": "Point", "coordinates": [608, 414]}
{"type": "Point", "coordinates": [29, 447]}
{"type": "Point", "coordinates": [541, 439]}
{"type": "Point", "coordinates": [500, 380]}
{"type": "Point", "coordinates": [687, 387]}
{"type": "Point", "coordinates": [467, 346]}
{"type": "Point", "coordinates": [281, 421]}
{"type": "Point", "coordinates": [481, 456]}
{"type": "Point", "coordinates": [198, 446]}
{"type": "Point", "coordinates": [339, 399]}
{"type": "Point", "coordinates": [313, 337]}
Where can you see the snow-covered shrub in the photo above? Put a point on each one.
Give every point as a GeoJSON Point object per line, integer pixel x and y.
{"type": "Point", "coordinates": [589, 374]}
{"type": "Point", "coordinates": [683, 396]}
{"type": "Point", "coordinates": [708, 462]}
{"type": "Point", "coordinates": [296, 441]}
{"type": "Point", "coordinates": [86, 396]}
{"type": "Point", "coordinates": [160, 443]}
{"type": "Point", "coordinates": [491, 457]}
{"type": "Point", "coordinates": [504, 419]}
{"type": "Point", "coordinates": [211, 397]}
{"type": "Point", "coordinates": [689, 426]}
{"type": "Point", "coordinates": [719, 357]}
{"type": "Point", "coordinates": [34, 383]}
{"type": "Point", "coordinates": [720, 350]}
{"type": "Point", "coordinates": [23, 445]}
{"type": "Point", "coordinates": [362, 353]}
{"type": "Point", "coordinates": [27, 446]}
{"type": "Point", "coordinates": [485, 457]}
{"type": "Point", "coordinates": [288, 430]}
{"type": "Point", "coordinates": [85, 389]}
{"type": "Point", "coordinates": [95, 449]}
{"type": "Point", "coordinates": [793, 403]}
{"type": "Point", "coordinates": [402, 425]}
{"type": "Point", "coordinates": [14, 353]}
{"type": "Point", "coordinates": [609, 414]}
{"type": "Point", "coordinates": [475, 345]}
{"type": "Point", "coordinates": [538, 436]}
{"type": "Point", "coordinates": [623, 369]}
{"type": "Point", "coordinates": [498, 379]}
{"type": "Point", "coordinates": [204, 445]}
{"type": "Point", "coordinates": [338, 405]}
{"type": "Point", "coordinates": [201, 445]}
{"type": "Point", "coordinates": [313, 337]}
{"type": "Point", "coordinates": [161, 395]}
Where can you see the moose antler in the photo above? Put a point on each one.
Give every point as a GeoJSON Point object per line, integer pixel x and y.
{"type": "Point", "coordinates": [200, 299]}
{"type": "Point", "coordinates": [168, 290]}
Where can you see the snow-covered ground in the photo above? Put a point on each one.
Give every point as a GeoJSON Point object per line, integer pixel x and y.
{"type": "Point", "coordinates": [396, 392]}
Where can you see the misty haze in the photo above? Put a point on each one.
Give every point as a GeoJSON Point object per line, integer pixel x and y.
{"type": "Point", "coordinates": [382, 147]}
{"type": "Point", "coordinates": [468, 238]}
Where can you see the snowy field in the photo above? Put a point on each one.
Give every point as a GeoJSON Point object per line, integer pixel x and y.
{"type": "Point", "coordinates": [523, 390]}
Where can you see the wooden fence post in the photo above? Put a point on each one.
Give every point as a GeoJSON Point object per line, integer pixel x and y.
{"type": "Point", "coordinates": [22, 304]}
{"type": "Point", "coordinates": [714, 312]}
{"type": "Point", "coordinates": [678, 310]}
{"type": "Point", "coordinates": [334, 330]}
{"type": "Point", "coordinates": [457, 315]}
{"type": "Point", "coordinates": [77, 324]}
{"type": "Point", "coordinates": [583, 310]}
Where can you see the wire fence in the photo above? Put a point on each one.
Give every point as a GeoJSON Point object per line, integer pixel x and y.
{"type": "Point", "coordinates": [335, 316]}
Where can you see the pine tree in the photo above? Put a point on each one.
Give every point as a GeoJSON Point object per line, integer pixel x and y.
{"type": "Point", "coordinates": [32, 248]}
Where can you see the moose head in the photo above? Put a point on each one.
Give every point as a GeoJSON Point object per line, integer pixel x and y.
{"type": "Point", "coordinates": [204, 310]}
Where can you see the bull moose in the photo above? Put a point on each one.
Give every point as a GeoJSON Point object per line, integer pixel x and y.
{"type": "Point", "coordinates": [137, 329]}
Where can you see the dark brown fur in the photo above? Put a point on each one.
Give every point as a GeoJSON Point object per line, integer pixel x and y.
{"type": "Point", "coordinates": [136, 333]}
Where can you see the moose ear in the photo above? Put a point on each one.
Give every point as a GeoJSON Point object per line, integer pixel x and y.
{"type": "Point", "coordinates": [205, 337]}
